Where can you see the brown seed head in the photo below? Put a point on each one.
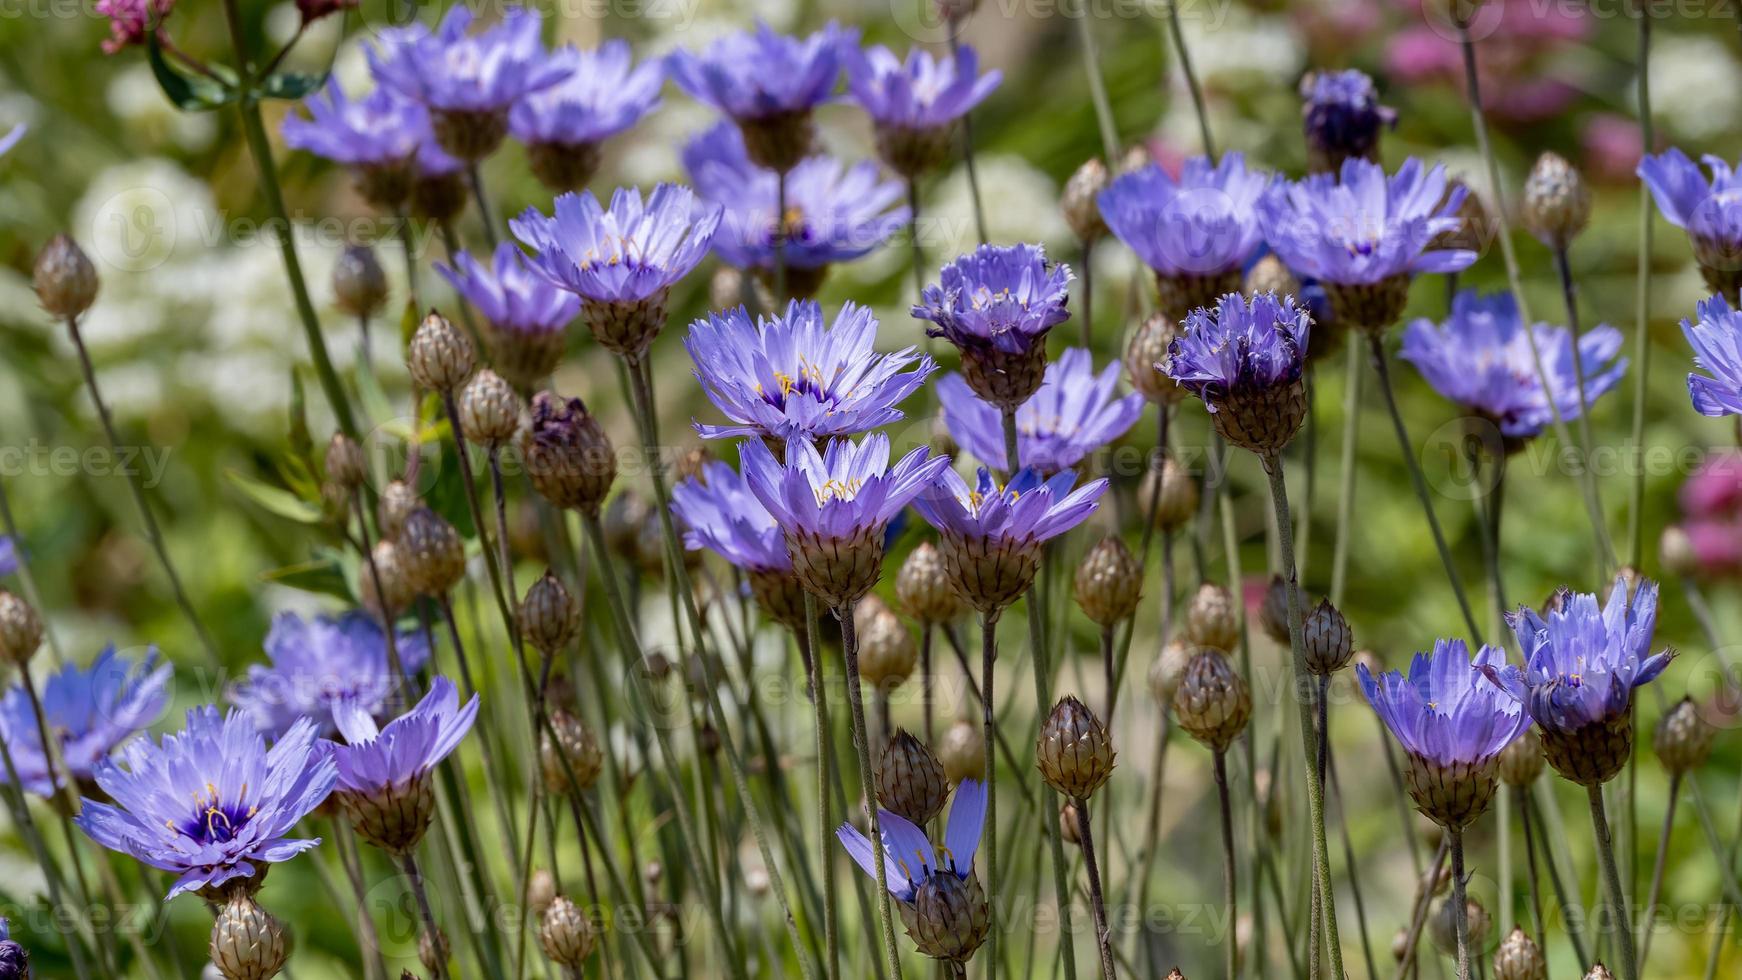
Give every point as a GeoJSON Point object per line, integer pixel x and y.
{"type": "Point", "coordinates": [1074, 752]}
{"type": "Point", "coordinates": [962, 751]}
{"type": "Point", "coordinates": [566, 934]}
{"type": "Point", "coordinates": [440, 358]}
{"type": "Point", "coordinates": [64, 279]}
{"type": "Point", "coordinates": [1212, 619]}
{"type": "Point", "coordinates": [1078, 202]}
{"type": "Point", "coordinates": [1212, 703]}
{"type": "Point", "coordinates": [1557, 202]}
{"type": "Point", "coordinates": [431, 552]}
{"type": "Point", "coordinates": [1109, 582]}
{"type": "Point", "coordinates": [923, 587]}
{"type": "Point", "coordinates": [489, 409]}
{"type": "Point", "coordinates": [550, 615]}
{"type": "Point", "coordinates": [910, 779]}
{"type": "Point", "coordinates": [1179, 495]}
{"type": "Point", "coordinates": [247, 943]}
{"type": "Point", "coordinates": [1683, 737]}
{"type": "Point", "coordinates": [20, 629]}
{"type": "Point", "coordinates": [582, 751]}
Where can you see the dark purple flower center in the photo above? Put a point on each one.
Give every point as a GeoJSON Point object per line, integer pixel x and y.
{"type": "Point", "coordinates": [216, 821]}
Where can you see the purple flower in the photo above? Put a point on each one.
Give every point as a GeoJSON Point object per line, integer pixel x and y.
{"type": "Point", "coordinates": [834, 212]}
{"type": "Point", "coordinates": [211, 803]}
{"type": "Point", "coordinates": [1480, 358]}
{"type": "Point", "coordinates": [1445, 711]}
{"type": "Point", "coordinates": [455, 70]}
{"type": "Point", "coordinates": [1073, 413]}
{"type": "Point", "coordinates": [848, 491]}
{"type": "Point", "coordinates": [1365, 227]}
{"type": "Point", "coordinates": [720, 513]}
{"type": "Point", "coordinates": [909, 861]}
{"type": "Point", "coordinates": [999, 296]}
{"type": "Point", "coordinates": [319, 665]}
{"type": "Point", "coordinates": [1342, 116]}
{"type": "Point", "coordinates": [510, 294]}
{"type": "Point", "coordinates": [1709, 210]}
{"type": "Point", "coordinates": [752, 75]}
{"type": "Point", "coordinates": [375, 759]}
{"type": "Point", "coordinates": [89, 712]}
{"type": "Point", "coordinates": [1205, 223]}
{"type": "Point", "coordinates": [920, 93]}
{"type": "Point", "coordinates": [1019, 515]}
{"type": "Point", "coordinates": [11, 139]}
{"type": "Point", "coordinates": [8, 555]}
{"type": "Point", "coordinates": [627, 253]}
{"type": "Point", "coordinates": [795, 377]}
{"type": "Point", "coordinates": [14, 958]}
{"type": "Point", "coordinates": [1717, 343]}
{"type": "Point", "coordinates": [1240, 346]}
{"type": "Point", "coordinates": [1581, 665]}
{"type": "Point", "coordinates": [381, 129]}
{"type": "Point", "coordinates": [602, 96]}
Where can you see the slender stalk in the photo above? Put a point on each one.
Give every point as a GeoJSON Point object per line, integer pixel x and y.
{"type": "Point", "coordinates": [779, 242]}
{"type": "Point", "coordinates": [1620, 921]}
{"type": "Point", "coordinates": [1110, 678]}
{"type": "Point", "coordinates": [914, 239]}
{"type": "Point", "coordinates": [1353, 865]}
{"type": "Point", "coordinates": [374, 961]}
{"type": "Point", "coordinates": [926, 632]}
{"type": "Point", "coordinates": [1642, 304]}
{"type": "Point", "coordinates": [367, 551]}
{"type": "Point", "coordinates": [67, 803]}
{"type": "Point", "coordinates": [1346, 477]}
{"type": "Point", "coordinates": [825, 818]}
{"type": "Point", "coordinates": [1376, 345]}
{"type": "Point", "coordinates": [1645, 930]}
{"type": "Point", "coordinates": [408, 863]}
{"type": "Point", "coordinates": [1097, 89]}
{"type": "Point", "coordinates": [1523, 803]}
{"type": "Point", "coordinates": [989, 736]}
{"type": "Point", "coordinates": [955, 28]}
{"type": "Point", "coordinates": [407, 244]}
{"type": "Point", "coordinates": [1569, 294]}
{"type": "Point", "coordinates": [1152, 827]}
{"type": "Point", "coordinates": [1230, 945]}
{"type": "Point", "coordinates": [1575, 936]}
{"type": "Point", "coordinates": [1185, 65]}
{"type": "Point", "coordinates": [148, 520]}
{"type": "Point", "coordinates": [475, 176]}
{"type": "Point", "coordinates": [51, 872]}
{"type": "Point", "coordinates": [25, 579]}
{"type": "Point", "coordinates": [1085, 837]}
{"type": "Point", "coordinates": [868, 783]}
{"type": "Point", "coordinates": [493, 756]}
{"type": "Point", "coordinates": [1460, 908]}
{"type": "Point", "coordinates": [1418, 918]}
{"type": "Point", "coordinates": [1087, 266]}
{"type": "Point", "coordinates": [1315, 787]}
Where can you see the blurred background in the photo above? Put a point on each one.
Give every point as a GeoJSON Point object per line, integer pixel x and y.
{"type": "Point", "coordinates": [197, 344]}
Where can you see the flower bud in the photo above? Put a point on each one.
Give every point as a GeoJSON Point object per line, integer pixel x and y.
{"type": "Point", "coordinates": [1442, 925]}
{"type": "Point", "coordinates": [359, 284]}
{"type": "Point", "coordinates": [434, 950]}
{"type": "Point", "coordinates": [20, 629]}
{"type": "Point", "coordinates": [395, 593]}
{"type": "Point", "coordinates": [910, 780]}
{"type": "Point", "coordinates": [540, 891]}
{"type": "Point", "coordinates": [1211, 618]}
{"type": "Point", "coordinates": [887, 652]}
{"type": "Point", "coordinates": [1109, 581]}
{"type": "Point", "coordinates": [440, 358]}
{"type": "Point", "coordinates": [1683, 737]}
{"type": "Point", "coordinates": [1329, 644]}
{"type": "Point", "coordinates": [1521, 760]}
{"type": "Point", "coordinates": [1178, 502]}
{"type": "Point", "coordinates": [1212, 703]}
{"type": "Point", "coordinates": [779, 596]}
{"type": "Point", "coordinates": [1167, 669]}
{"type": "Point", "coordinates": [1078, 202]}
{"type": "Point", "coordinates": [489, 409]}
{"type": "Point", "coordinates": [1400, 944]}
{"type": "Point", "coordinates": [569, 459]}
{"type": "Point", "coordinates": [1069, 832]}
{"type": "Point", "coordinates": [923, 587]}
{"type": "Point", "coordinates": [248, 943]}
{"type": "Point", "coordinates": [1144, 355]}
{"type": "Point", "coordinates": [1174, 974]}
{"type": "Point", "coordinates": [962, 751]}
{"type": "Point", "coordinates": [64, 279]}
{"type": "Point", "coordinates": [1270, 275]}
{"type": "Point", "coordinates": [1273, 611]}
{"type": "Point", "coordinates": [345, 462]}
{"type": "Point", "coordinates": [566, 934]}
{"type": "Point", "coordinates": [583, 756]}
{"type": "Point", "coordinates": [1557, 203]}
{"type": "Point", "coordinates": [1519, 958]}
{"type": "Point", "coordinates": [431, 552]}
{"type": "Point", "coordinates": [550, 615]}
{"type": "Point", "coordinates": [948, 918]}
{"type": "Point", "coordinates": [1074, 751]}
{"type": "Point", "coordinates": [398, 500]}
{"type": "Point", "coordinates": [1675, 552]}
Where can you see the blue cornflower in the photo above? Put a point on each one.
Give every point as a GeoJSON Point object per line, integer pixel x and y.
{"type": "Point", "coordinates": [1342, 117]}
{"type": "Point", "coordinates": [1197, 232]}
{"type": "Point", "coordinates": [8, 555]}
{"type": "Point", "coordinates": [1245, 359]}
{"type": "Point", "coordinates": [1364, 235]}
{"type": "Point", "coordinates": [14, 958]}
{"type": "Point", "coordinates": [1073, 414]}
{"type": "Point", "coordinates": [1480, 358]}
{"type": "Point", "coordinates": [834, 212]}
{"type": "Point", "coordinates": [1581, 666]}
{"type": "Point", "coordinates": [319, 664]}
{"type": "Point", "coordinates": [384, 137]}
{"type": "Point", "coordinates": [89, 711]}
{"type": "Point", "coordinates": [528, 315]}
{"type": "Point", "coordinates": [833, 506]}
{"type": "Point", "coordinates": [768, 84]}
{"type": "Point", "coordinates": [996, 305]}
{"type": "Point", "coordinates": [383, 783]}
{"type": "Point", "coordinates": [622, 261]}
{"type": "Point", "coordinates": [603, 95]}
{"type": "Point", "coordinates": [915, 104]}
{"type": "Point", "coordinates": [794, 376]}
{"type": "Point", "coordinates": [1452, 723]}
{"type": "Point", "coordinates": [11, 139]}
{"type": "Point", "coordinates": [468, 80]}
{"type": "Point", "coordinates": [211, 803]}
{"type": "Point", "coordinates": [990, 535]}
{"type": "Point", "coordinates": [942, 903]}
{"type": "Point", "coordinates": [1717, 343]}
{"type": "Point", "coordinates": [1710, 211]}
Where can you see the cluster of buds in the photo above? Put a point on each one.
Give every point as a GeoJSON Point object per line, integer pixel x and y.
{"type": "Point", "coordinates": [911, 782]}
{"type": "Point", "coordinates": [1212, 701]}
{"type": "Point", "coordinates": [1074, 751]}
{"type": "Point", "coordinates": [1108, 583]}
{"type": "Point", "coordinates": [247, 943]}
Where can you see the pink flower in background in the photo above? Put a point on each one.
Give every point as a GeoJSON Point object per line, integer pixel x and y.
{"type": "Point", "coordinates": [1711, 502]}
{"type": "Point", "coordinates": [1515, 37]}
{"type": "Point", "coordinates": [1612, 146]}
{"type": "Point", "coordinates": [130, 20]}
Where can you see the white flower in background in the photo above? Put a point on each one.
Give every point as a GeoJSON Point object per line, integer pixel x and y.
{"type": "Point", "coordinates": [139, 216]}
{"type": "Point", "coordinates": [1232, 48]}
{"type": "Point", "coordinates": [131, 389]}
{"type": "Point", "coordinates": [1696, 85]}
{"type": "Point", "coordinates": [134, 98]}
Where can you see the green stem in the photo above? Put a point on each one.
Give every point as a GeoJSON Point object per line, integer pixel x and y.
{"type": "Point", "coordinates": [408, 864]}
{"type": "Point", "coordinates": [1642, 306]}
{"type": "Point", "coordinates": [1418, 917]}
{"type": "Point", "coordinates": [1098, 902]}
{"type": "Point", "coordinates": [1569, 294]}
{"type": "Point", "coordinates": [1346, 477]}
{"type": "Point", "coordinates": [1197, 91]}
{"type": "Point", "coordinates": [868, 784]}
{"type": "Point", "coordinates": [475, 176]}
{"type": "Point", "coordinates": [1273, 468]}
{"type": "Point", "coordinates": [1645, 930]}
{"type": "Point", "coordinates": [989, 736]}
{"type": "Point", "coordinates": [1460, 907]}
{"type": "Point", "coordinates": [1097, 88]}
{"type": "Point", "coordinates": [1349, 859]}
{"type": "Point", "coordinates": [825, 818]}
{"type": "Point", "coordinates": [1230, 945]}
{"type": "Point", "coordinates": [1575, 936]}
{"type": "Point", "coordinates": [1620, 921]}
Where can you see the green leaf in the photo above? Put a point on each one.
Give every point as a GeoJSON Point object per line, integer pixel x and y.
{"type": "Point", "coordinates": [275, 500]}
{"type": "Point", "coordinates": [291, 86]}
{"type": "Point", "coordinates": [189, 93]}
{"type": "Point", "coordinates": [322, 575]}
